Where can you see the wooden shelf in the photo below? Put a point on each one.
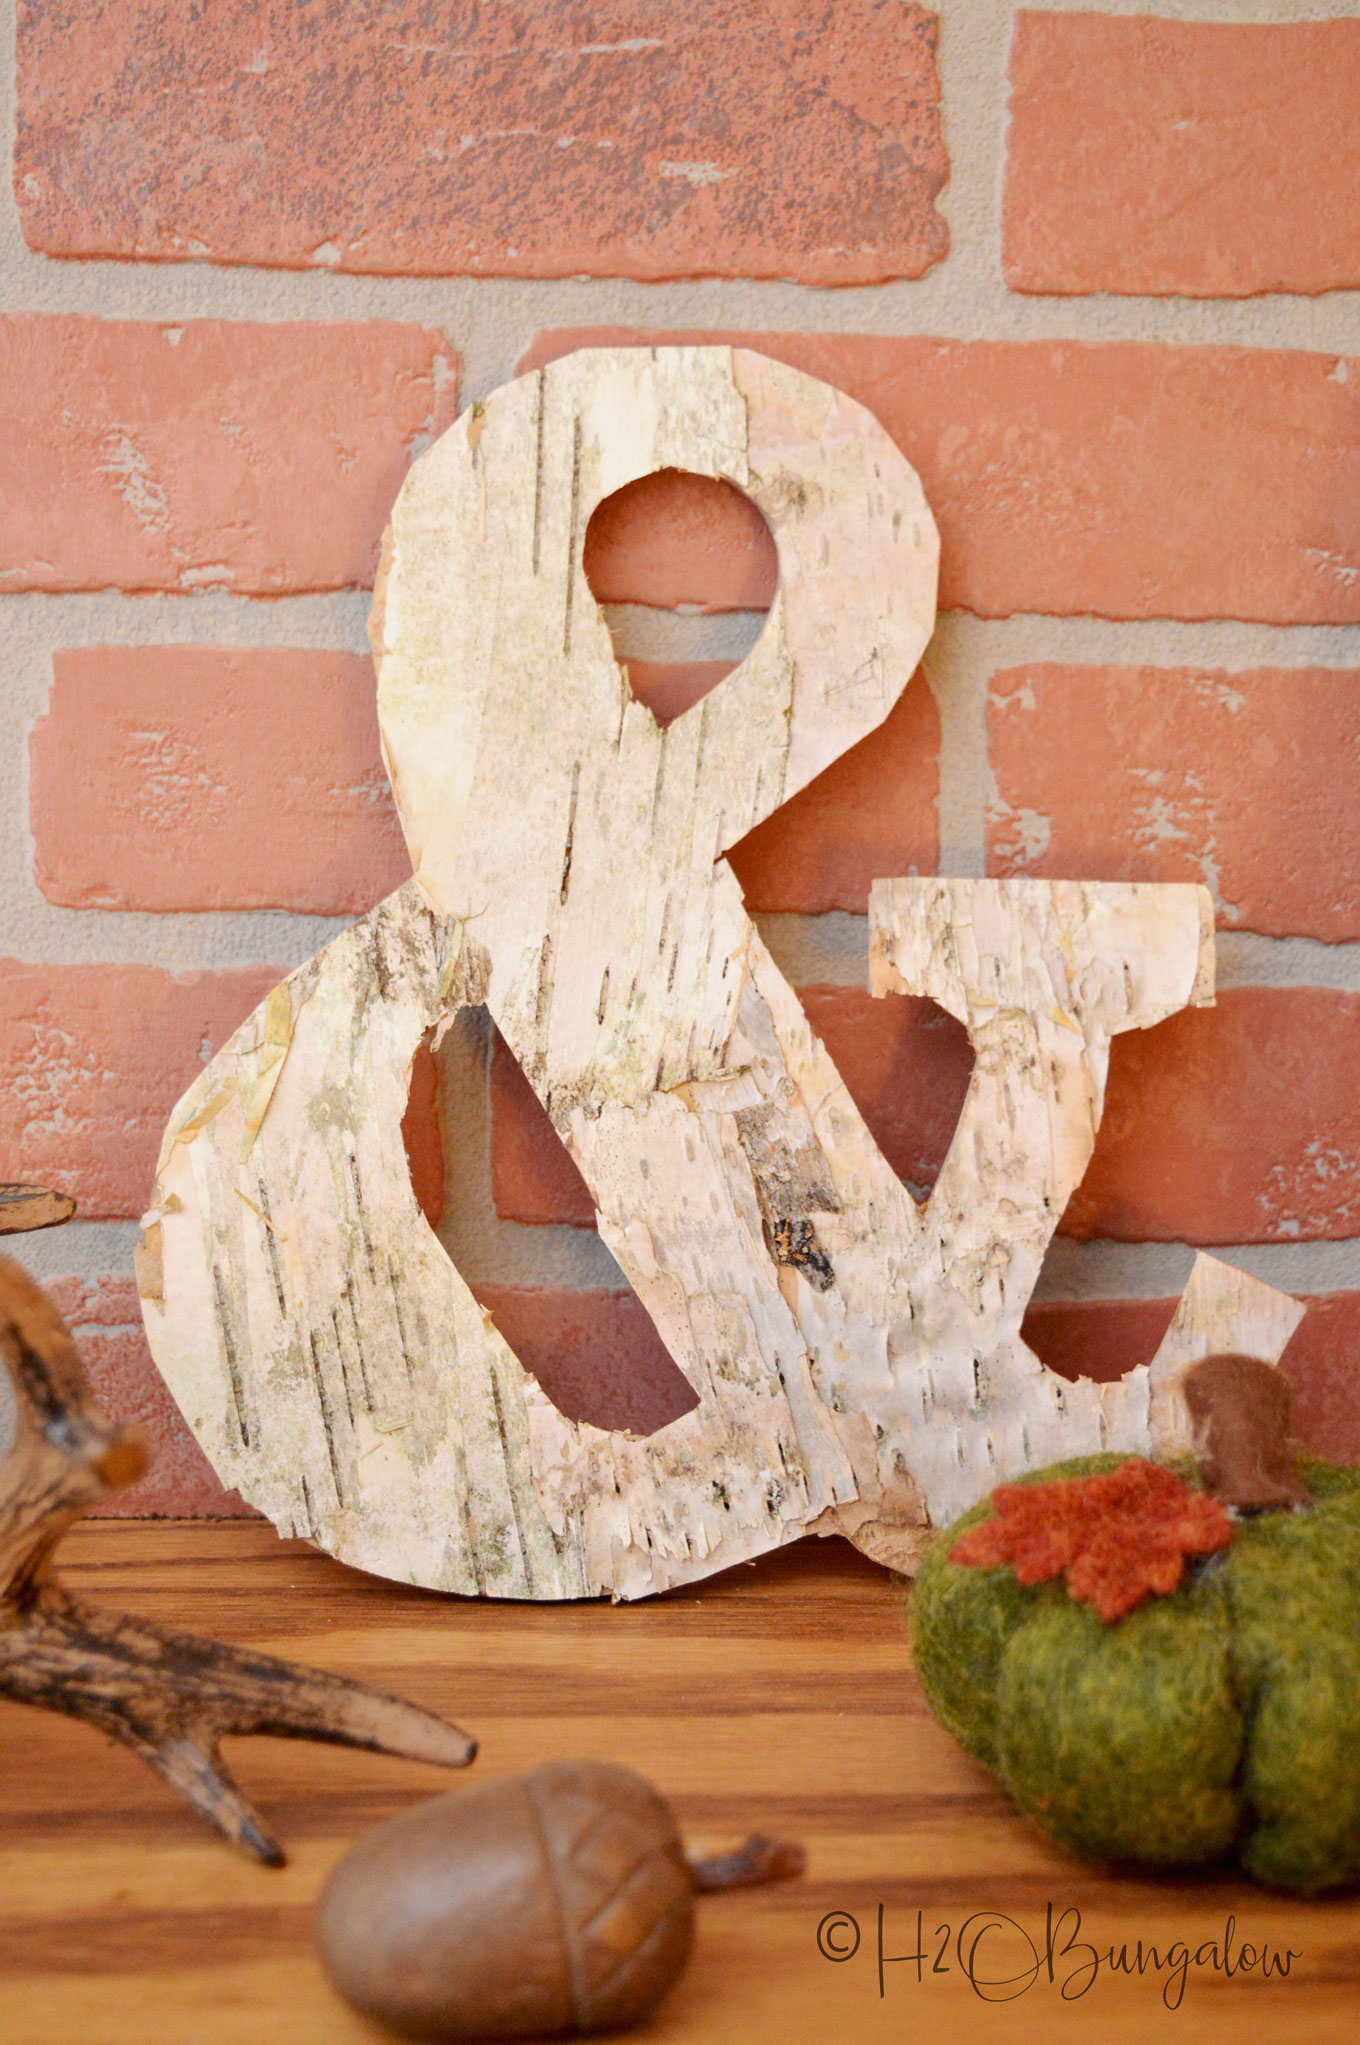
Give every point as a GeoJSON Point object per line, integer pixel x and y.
{"type": "Point", "coordinates": [777, 1697]}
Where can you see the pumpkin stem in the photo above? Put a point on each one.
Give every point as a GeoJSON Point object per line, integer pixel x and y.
{"type": "Point", "coordinates": [1240, 1412]}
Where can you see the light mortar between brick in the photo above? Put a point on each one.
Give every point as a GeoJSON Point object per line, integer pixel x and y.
{"type": "Point", "coordinates": [491, 321]}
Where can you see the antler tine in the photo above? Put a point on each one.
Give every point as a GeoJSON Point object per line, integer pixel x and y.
{"type": "Point", "coordinates": [202, 1779]}
{"type": "Point", "coordinates": [58, 1659]}
{"type": "Point", "coordinates": [306, 1704]}
{"type": "Point", "coordinates": [168, 1696]}
{"type": "Point", "coordinates": [28, 1207]}
{"type": "Point", "coordinates": [66, 1453]}
{"type": "Point", "coordinates": [133, 1669]}
{"type": "Point", "coordinates": [172, 1696]}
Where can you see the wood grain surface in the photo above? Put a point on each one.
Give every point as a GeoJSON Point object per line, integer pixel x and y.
{"type": "Point", "coordinates": [779, 1696]}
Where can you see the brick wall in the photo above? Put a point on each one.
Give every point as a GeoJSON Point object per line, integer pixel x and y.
{"type": "Point", "coordinates": [1098, 273]}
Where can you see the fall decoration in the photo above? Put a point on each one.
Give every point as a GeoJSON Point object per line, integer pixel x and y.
{"type": "Point", "coordinates": [168, 1696]}
{"type": "Point", "coordinates": [1240, 1410]}
{"type": "Point", "coordinates": [555, 1901]}
{"type": "Point", "coordinates": [1116, 1537]}
{"type": "Point", "coordinates": [1222, 1717]}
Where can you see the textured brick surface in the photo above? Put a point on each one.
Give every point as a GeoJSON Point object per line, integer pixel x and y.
{"type": "Point", "coordinates": [93, 1058]}
{"type": "Point", "coordinates": [1102, 1339]}
{"type": "Point", "coordinates": [1243, 781]}
{"type": "Point", "coordinates": [1121, 478]}
{"type": "Point", "coordinates": [630, 138]}
{"type": "Point", "coordinates": [1323, 1363]}
{"type": "Point", "coordinates": [105, 1316]}
{"type": "Point", "coordinates": [1210, 158]}
{"type": "Point", "coordinates": [1236, 1124]}
{"type": "Point", "coordinates": [905, 1061]}
{"type": "Point", "coordinates": [194, 777]}
{"type": "Point", "coordinates": [596, 1354]}
{"type": "Point", "coordinates": [421, 1134]}
{"type": "Point", "coordinates": [532, 1175]}
{"type": "Point", "coordinates": [671, 687]}
{"type": "Point", "coordinates": [676, 538]}
{"type": "Point", "coordinates": [263, 457]}
{"type": "Point", "coordinates": [598, 1357]}
{"type": "Point", "coordinates": [1099, 1338]}
{"type": "Point", "coordinates": [872, 815]}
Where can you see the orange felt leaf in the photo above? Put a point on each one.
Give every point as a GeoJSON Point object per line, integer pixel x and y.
{"type": "Point", "coordinates": [1117, 1538]}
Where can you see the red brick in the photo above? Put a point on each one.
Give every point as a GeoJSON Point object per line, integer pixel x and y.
{"type": "Point", "coordinates": [1210, 158]}
{"type": "Point", "coordinates": [730, 138]}
{"type": "Point", "coordinates": [533, 1177]}
{"type": "Point", "coordinates": [1323, 1364]}
{"type": "Point", "coordinates": [93, 1058]}
{"type": "Point", "coordinates": [595, 1354]}
{"type": "Point", "coordinates": [106, 1319]}
{"type": "Point", "coordinates": [421, 1135]}
{"type": "Point", "coordinates": [193, 777]}
{"type": "Point", "coordinates": [1102, 1339]}
{"type": "Point", "coordinates": [872, 814]}
{"type": "Point", "coordinates": [262, 457]}
{"type": "Point", "coordinates": [1125, 479]}
{"type": "Point", "coordinates": [671, 687]}
{"type": "Point", "coordinates": [676, 538]}
{"type": "Point", "coordinates": [906, 1063]}
{"type": "Point", "coordinates": [1237, 1124]}
{"type": "Point", "coordinates": [1242, 781]}
{"type": "Point", "coordinates": [598, 1357]}
{"type": "Point", "coordinates": [1099, 1339]}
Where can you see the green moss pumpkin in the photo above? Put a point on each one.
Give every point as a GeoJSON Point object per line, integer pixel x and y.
{"type": "Point", "coordinates": [1222, 1719]}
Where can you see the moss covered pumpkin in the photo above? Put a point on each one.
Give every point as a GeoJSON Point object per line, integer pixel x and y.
{"type": "Point", "coordinates": [1222, 1718]}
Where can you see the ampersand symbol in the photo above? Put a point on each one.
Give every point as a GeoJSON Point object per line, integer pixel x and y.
{"type": "Point", "coordinates": [855, 1359]}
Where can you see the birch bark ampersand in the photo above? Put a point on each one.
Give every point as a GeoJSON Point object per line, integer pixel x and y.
{"type": "Point", "coordinates": [856, 1360]}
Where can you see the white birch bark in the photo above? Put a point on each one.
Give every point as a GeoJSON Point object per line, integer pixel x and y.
{"type": "Point", "coordinates": [1222, 1312]}
{"type": "Point", "coordinates": [856, 1361]}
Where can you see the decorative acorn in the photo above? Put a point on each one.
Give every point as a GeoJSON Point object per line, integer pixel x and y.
{"type": "Point", "coordinates": [556, 1901]}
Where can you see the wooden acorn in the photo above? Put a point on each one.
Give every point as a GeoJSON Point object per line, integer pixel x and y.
{"type": "Point", "coordinates": [555, 1901]}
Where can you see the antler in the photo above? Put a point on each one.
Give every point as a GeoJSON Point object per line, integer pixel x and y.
{"type": "Point", "coordinates": [26, 1207]}
{"type": "Point", "coordinates": [169, 1696]}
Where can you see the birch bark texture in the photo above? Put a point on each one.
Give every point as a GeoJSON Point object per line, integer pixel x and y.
{"type": "Point", "coordinates": [170, 1697]}
{"type": "Point", "coordinates": [856, 1361]}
